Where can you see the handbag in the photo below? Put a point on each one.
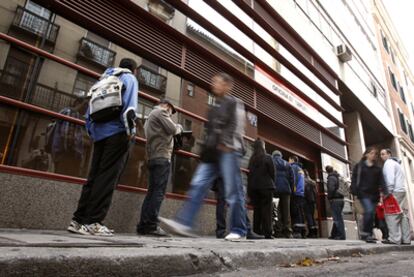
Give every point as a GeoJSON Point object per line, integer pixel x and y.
{"type": "Point", "coordinates": [391, 206]}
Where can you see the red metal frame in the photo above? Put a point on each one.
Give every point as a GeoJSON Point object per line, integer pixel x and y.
{"type": "Point", "coordinates": [143, 95]}
{"type": "Point", "coordinates": [68, 9]}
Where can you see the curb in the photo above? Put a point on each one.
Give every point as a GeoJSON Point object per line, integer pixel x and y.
{"type": "Point", "coordinates": [116, 261]}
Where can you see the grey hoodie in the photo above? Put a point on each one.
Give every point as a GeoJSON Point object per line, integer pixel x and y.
{"type": "Point", "coordinates": [394, 175]}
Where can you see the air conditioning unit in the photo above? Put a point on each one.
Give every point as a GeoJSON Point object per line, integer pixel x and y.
{"type": "Point", "coordinates": [344, 53]}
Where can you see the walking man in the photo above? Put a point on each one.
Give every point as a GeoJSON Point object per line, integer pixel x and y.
{"type": "Point", "coordinates": [398, 225]}
{"type": "Point", "coordinates": [112, 133]}
{"type": "Point", "coordinates": [220, 158]}
{"type": "Point", "coordinates": [284, 188]}
{"type": "Point", "coordinates": [159, 131]}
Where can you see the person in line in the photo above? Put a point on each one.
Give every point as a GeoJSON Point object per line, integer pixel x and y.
{"type": "Point", "coordinates": [298, 198]}
{"type": "Point", "coordinates": [112, 140]}
{"type": "Point", "coordinates": [284, 188]}
{"type": "Point", "coordinates": [260, 188]}
{"type": "Point", "coordinates": [159, 132]}
{"type": "Point", "coordinates": [220, 157]}
{"type": "Point", "coordinates": [336, 200]}
{"type": "Point", "coordinates": [398, 225]}
{"type": "Point", "coordinates": [367, 181]}
{"type": "Point", "coordinates": [311, 195]}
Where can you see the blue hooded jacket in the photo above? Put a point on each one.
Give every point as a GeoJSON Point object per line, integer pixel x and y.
{"type": "Point", "coordinates": [299, 187]}
{"type": "Point", "coordinates": [99, 131]}
{"type": "Point", "coordinates": [284, 175]}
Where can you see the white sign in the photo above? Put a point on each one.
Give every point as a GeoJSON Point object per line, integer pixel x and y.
{"type": "Point", "coordinates": [288, 96]}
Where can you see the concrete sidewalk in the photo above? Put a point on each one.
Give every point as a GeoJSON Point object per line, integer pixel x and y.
{"type": "Point", "coordinates": [58, 253]}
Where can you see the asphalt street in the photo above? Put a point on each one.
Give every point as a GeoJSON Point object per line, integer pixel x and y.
{"type": "Point", "coordinates": [396, 264]}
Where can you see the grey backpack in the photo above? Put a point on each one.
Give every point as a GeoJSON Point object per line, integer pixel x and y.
{"type": "Point", "coordinates": [106, 97]}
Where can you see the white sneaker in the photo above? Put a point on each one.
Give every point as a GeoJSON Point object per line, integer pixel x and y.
{"type": "Point", "coordinates": [176, 228]}
{"type": "Point", "coordinates": [234, 237]}
{"type": "Point", "coordinates": [77, 228]}
{"type": "Point", "coordinates": [98, 229]}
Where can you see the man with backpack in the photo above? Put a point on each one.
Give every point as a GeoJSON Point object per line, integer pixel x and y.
{"type": "Point", "coordinates": [298, 199]}
{"type": "Point", "coordinates": [284, 187]}
{"type": "Point", "coordinates": [336, 199]}
{"type": "Point", "coordinates": [159, 131]}
{"type": "Point", "coordinates": [110, 122]}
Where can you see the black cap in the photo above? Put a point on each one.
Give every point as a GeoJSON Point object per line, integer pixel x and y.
{"type": "Point", "coordinates": [165, 101]}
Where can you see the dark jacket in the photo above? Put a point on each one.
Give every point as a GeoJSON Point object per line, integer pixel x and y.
{"type": "Point", "coordinates": [371, 181]}
{"type": "Point", "coordinates": [225, 126]}
{"type": "Point", "coordinates": [299, 177]}
{"type": "Point", "coordinates": [333, 185]}
{"type": "Point", "coordinates": [311, 193]}
{"type": "Point", "coordinates": [261, 174]}
{"type": "Point", "coordinates": [284, 177]}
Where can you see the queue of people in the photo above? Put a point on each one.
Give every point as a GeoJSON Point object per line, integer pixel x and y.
{"type": "Point", "coordinates": [110, 122]}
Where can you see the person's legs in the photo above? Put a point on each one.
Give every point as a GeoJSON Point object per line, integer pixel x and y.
{"type": "Point", "coordinates": [297, 216]}
{"type": "Point", "coordinates": [202, 180]}
{"type": "Point", "coordinates": [405, 223]}
{"type": "Point", "coordinates": [112, 163]}
{"type": "Point", "coordinates": [337, 206]}
{"type": "Point", "coordinates": [159, 171]}
{"type": "Point", "coordinates": [267, 198]}
{"type": "Point", "coordinates": [369, 216]}
{"type": "Point", "coordinates": [257, 211]}
{"type": "Point", "coordinates": [80, 215]}
{"type": "Point", "coordinates": [220, 211]}
{"type": "Point", "coordinates": [284, 207]}
{"type": "Point", "coordinates": [231, 175]}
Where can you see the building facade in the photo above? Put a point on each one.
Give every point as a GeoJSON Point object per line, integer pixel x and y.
{"type": "Point", "coordinates": [400, 91]}
{"type": "Point", "coordinates": [297, 66]}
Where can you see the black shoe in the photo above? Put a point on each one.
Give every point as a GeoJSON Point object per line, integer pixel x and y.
{"type": "Point", "coordinates": [221, 236]}
{"type": "Point", "coordinates": [154, 233]}
{"type": "Point", "coordinates": [386, 241]}
{"type": "Point", "coordinates": [297, 235]}
{"type": "Point", "coordinates": [370, 239]}
{"type": "Point", "coordinates": [253, 235]}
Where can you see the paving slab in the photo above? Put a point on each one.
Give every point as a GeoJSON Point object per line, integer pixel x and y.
{"type": "Point", "coordinates": [59, 253]}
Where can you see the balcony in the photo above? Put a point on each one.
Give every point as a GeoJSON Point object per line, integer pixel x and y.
{"type": "Point", "coordinates": [151, 80]}
{"type": "Point", "coordinates": [31, 23]}
{"type": "Point", "coordinates": [96, 53]}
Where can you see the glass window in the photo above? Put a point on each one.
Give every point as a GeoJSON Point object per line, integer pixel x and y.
{"type": "Point", "coordinates": [190, 89]}
{"type": "Point", "coordinates": [402, 121]}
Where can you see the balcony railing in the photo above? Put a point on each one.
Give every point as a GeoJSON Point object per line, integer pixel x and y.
{"type": "Point", "coordinates": [35, 24]}
{"type": "Point", "coordinates": [96, 53]}
{"type": "Point", "coordinates": [152, 80]}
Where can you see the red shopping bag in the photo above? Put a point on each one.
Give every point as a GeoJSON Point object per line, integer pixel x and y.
{"type": "Point", "coordinates": [380, 211]}
{"type": "Point", "coordinates": [391, 205]}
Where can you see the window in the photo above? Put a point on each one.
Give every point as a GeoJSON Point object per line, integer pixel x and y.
{"type": "Point", "coordinates": [374, 89]}
{"type": "Point", "coordinates": [402, 121]}
{"type": "Point", "coordinates": [38, 10]}
{"type": "Point", "coordinates": [187, 124]}
{"type": "Point", "coordinates": [392, 56]}
{"type": "Point", "coordinates": [393, 80]}
{"type": "Point", "coordinates": [211, 99]}
{"type": "Point", "coordinates": [190, 89]}
{"type": "Point", "coordinates": [151, 65]}
{"type": "Point", "coordinates": [410, 131]}
{"type": "Point", "coordinates": [402, 95]}
{"type": "Point", "coordinates": [385, 42]}
{"type": "Point", "coordinates": [82, 84]}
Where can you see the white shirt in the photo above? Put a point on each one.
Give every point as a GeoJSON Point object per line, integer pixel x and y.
{"type": "Point", "coordinates": [394, 176]}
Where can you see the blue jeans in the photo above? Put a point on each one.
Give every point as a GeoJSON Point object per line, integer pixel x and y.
{"type": "Point", "coordinates": [338, 227]}
{"type": "Point", "coordinates": [159, 171]}
{"type": "Point", "coordinates": [369, 206]}
{"type": "Point", "coordinates": [228, 168]}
